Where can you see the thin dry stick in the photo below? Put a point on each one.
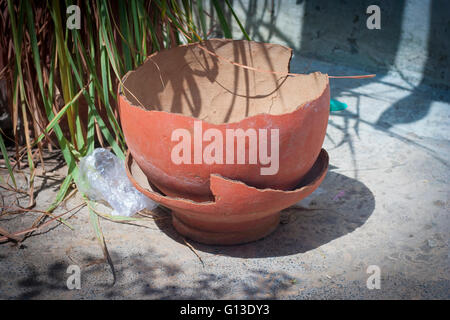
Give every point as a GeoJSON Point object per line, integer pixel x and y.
{"type": "Point", "coordinates": [20, 209]}
{"type": "Point", "coordinates": [123, 86]}
{"type": "Point", "coordinates": [8, 235]}
{"type": "Point", "coordinates": [70, 195]}
{"type": "Point", "coordinates": [277, 72]}
{"type": "Point", "coordinates": [111, 218]}
{"type": "Point", "coordinates": [153, 216]}
{"type": "Point", "coordinates": [40, 226]}
{"type": "Point", "coordinates": [9, 188]}
{"type": "Point", "coordinates": [193, 250]}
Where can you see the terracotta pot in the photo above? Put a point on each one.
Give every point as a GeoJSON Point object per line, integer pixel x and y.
{"type": "Point", "coordinates": [238, 214]}
{"type": "Point", "coordinates": [176, 87]}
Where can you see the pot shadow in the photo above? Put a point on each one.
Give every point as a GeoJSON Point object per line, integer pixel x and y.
{"type": "Point", "coordinates": [342, 205]}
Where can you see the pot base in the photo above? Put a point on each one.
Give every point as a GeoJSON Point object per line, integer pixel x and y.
{"type": "Point", "coordinates": [257, 232]}
{"type": "Point", "coordinates": [239, 214]}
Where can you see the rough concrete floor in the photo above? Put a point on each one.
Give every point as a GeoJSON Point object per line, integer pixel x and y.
{"type": "Point", "coordinates": [384, 202]}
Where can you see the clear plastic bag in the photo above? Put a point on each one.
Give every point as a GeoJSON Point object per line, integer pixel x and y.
{"type": "Point", "coordinates": [102, 177]}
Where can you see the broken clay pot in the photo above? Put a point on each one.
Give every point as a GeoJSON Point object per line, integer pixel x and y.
{"type": "Point", "coordinates": [184, 86]}
{"type": "Point", "coordinates": [239, 213]}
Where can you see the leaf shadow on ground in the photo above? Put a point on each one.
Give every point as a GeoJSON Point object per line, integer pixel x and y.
{"type": "Point", "coordinates": [144, 276]}
{"type": "Point", "coordinates": [153, 278]}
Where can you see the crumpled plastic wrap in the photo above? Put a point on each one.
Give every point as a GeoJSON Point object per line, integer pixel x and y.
{"type": "Point", "coordinates": [102, 177]}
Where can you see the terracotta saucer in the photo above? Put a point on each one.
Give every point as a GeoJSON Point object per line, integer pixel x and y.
{"type": "Point", "coordinates": [239, 213]}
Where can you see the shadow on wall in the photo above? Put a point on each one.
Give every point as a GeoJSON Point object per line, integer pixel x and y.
{"type": "Point", "coordinates": [407, 110]}
{"type": "Point", "coordinates": [346, 40]}
{"type": "Point", "coordinates": [344, 205]}
{"type": "Point", "coordinates": [336, 32]}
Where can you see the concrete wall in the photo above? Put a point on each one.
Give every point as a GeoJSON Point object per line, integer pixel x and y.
{"type": "Point", "coordinates": [414, 37]}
